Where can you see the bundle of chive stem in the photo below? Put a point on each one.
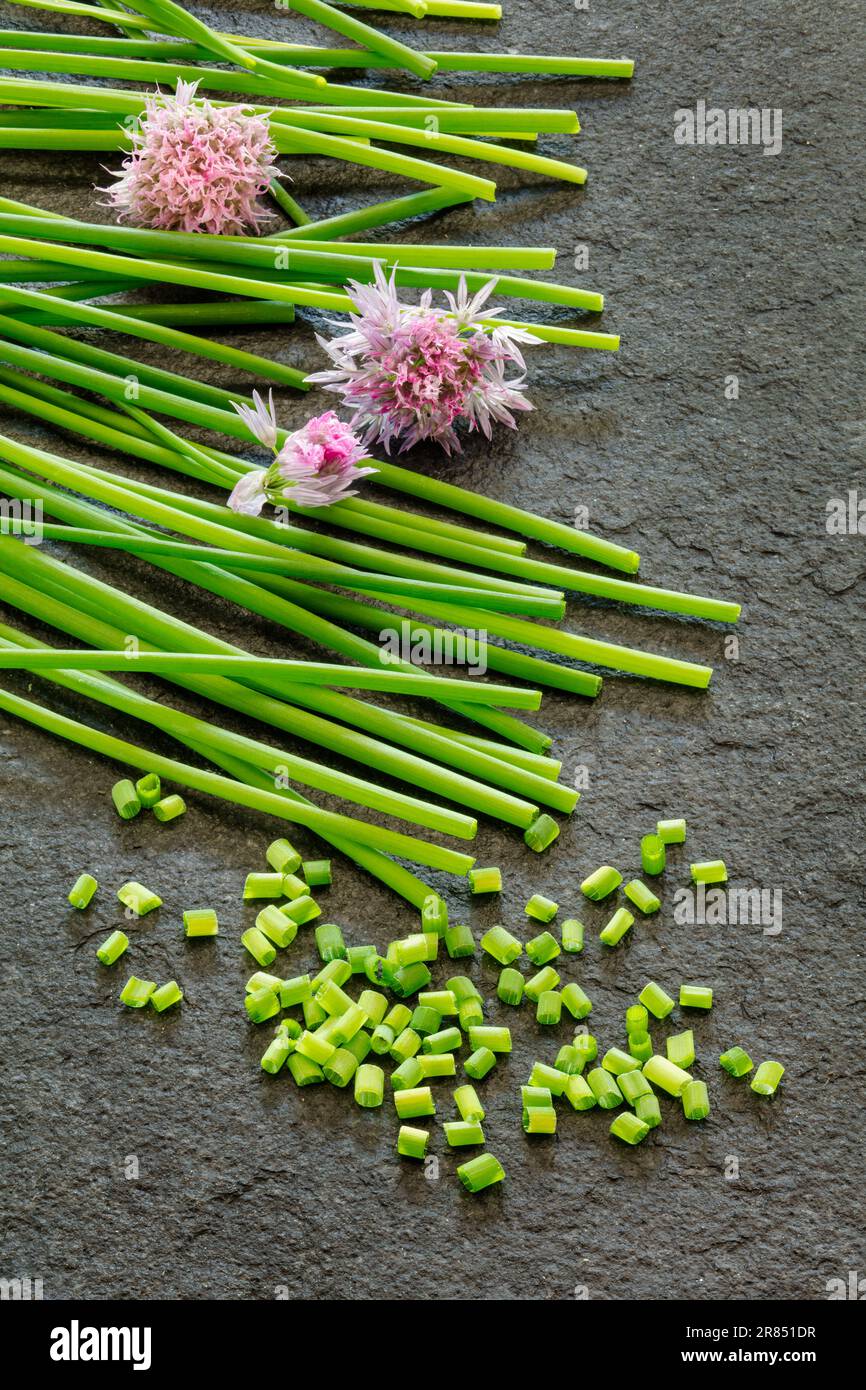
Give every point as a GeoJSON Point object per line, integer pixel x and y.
{"type": "Point", "coordinates": [328, 584]}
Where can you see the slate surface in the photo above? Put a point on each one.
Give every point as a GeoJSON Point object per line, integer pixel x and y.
{"type": "Point", "coordinates": [716, 262]}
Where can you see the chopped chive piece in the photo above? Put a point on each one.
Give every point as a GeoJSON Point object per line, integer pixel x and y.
{"type": "Point", "coordinates": [303, 910]}
{"type": "Point", "coordinates": [407, 1076]}
{"type": "Point", "coordinates": [125, 798]}
{"type": "Point", "coordinates": [275, 926]}
{"type": "Point", "coordinates": [467, 1102]}
{"type": "Point", "coordinates": [340, 1067]}
{"type": "Point", "coordinates": [263, 886]}
{"type": "Point", "coordinates": [337, 970]}
{"type": "Point", "coordinates": [290, 1028]}
{"type": "Point", "coordinates": [621, 922]}
{"type": "Point", "coordinates": [282, 857]}
{"type": "Point", "coordinates": [549, 1078]}
{"type": "Point", "coordinates": [136, 993]}
{"type": "Point", "coordinates": [629, 1128]}
{"type": "Point", "coordinates": [82, 891]}
{"type": "Point", "coordinates": [409, 979]}
{"type": "Point", "coordinates": [496, 1039]}
{"type": "Point", "coordinates": [604, 1088]}
{"type": "Point", "coordinates": [416, 1101]}
{"type": "Point", "coordinates": [578, 1003]}
{"type": "Point", "coordinates": [276, 1054]}
{"type": "Point", "coordinates": [169, 808]}
{"type": "Point", "coordinates": [137, 898]}
{"type": "Point", "coordinates": [546, 979]}
{"type": "Point", "coordinates": [470, 1013]}
{"type": "Point", "coordinates": [501, 945]}
{"type": "Point", "coordinates": [201, 921]}
{"type": "Point", "coordinates": [405, 1045]}
{"type": "Point", "coordinates": [444, 1001]}
{"type": "Point", "coordinates": [332, 998]}
{"type": "Point", "coordinates": [260, 979]}
{"type": "Point", "coordinates": [572, 935]}
{"type": "Point", "coordinates": [542, 948]}
{"type": "Point", "coordinates": [767, 1078]}
{"type": "Point", "coordinates": [709, 871]}
{"type": "Point", "coordinates": [432, 945]}
{"type": "Point", "coordinates": [294, 887]}
{"type": "Point", "coordinates": [665, 1074]}
{"type": "Point", "coordinates": [585, 1044]}
{"type": "Point", "coordinates": [485, 880]}
{"type": "Point", "coordinates": [148, 789]}
{"type": "Point", "coordinates": [510, 986]}
{"type": "Point", "coordinates": [541, 908]}
{"type": "Point", "coordinates": [314, 1014]}
{"type": "Point", "coordinates": [695, 997]}
{"type": "Point", "coordinates": [315, 1047]}
{"type": "Point", "coordinates": [480, 1172]}
{"type": "Point", "coordinates": [569, 1060]}
{"type": "Point", "coordinates": [357, 955]}
{"type": "Point", "coordinates": [479, 1063]}
{"type": "Point", "coordinates": [438, 1064]}
{"type": "Point", "coordinates": [549, 1008]}
{"type": "Point", "coordinates": [460, 1134]}
{"type": "Point", "coordinates": [374, 1004]}
{"type": "Point", "coordinates": [459, 942]}
{"type": "Point", "coordinates": [654, 998]}
{"type": "Point", "coordinates": [446, 1040]}
{"type": "Point", "coordinates": [426, 1020]}
{"type": "Point", "coordinates": [640, 1045]}
{"type": "Point", "coordinates": [434, 914]}
{"type": "Point", "coordinates": [647, 1108]}
{"type": "Point", "coordinates": [696, 1102]}
{"type": "Point", "coordinates": [411, 949]}
{"type": "Point", "coordinates": [539, 1119]}
{"type": "Point", "coordinates": [398, 1018]}
{"type": "Point", "coordinates": [167, 994]}
{"type": "Point", "coordinates": [359, 1046]}
{"type": "Point", "coordinates": [579, 1093]}
{"type": "Point", "coordinates": [671, 832]}
{"type": "Point", "coordinates": [633, 1085]}
{"type": "Point", "coordinates": [295, 991]}
{"type": "Point", "coordinates": [601, 883]}
{"type": "Point", "coordinates": [736, 1062]}
{"type": "Point", "coordinates": [258, 946]}
{"type": "Point", "coordinates": [462, 988]}
{"type": "Point", "coordinates": [261, 1005]}
{"type": "Point", "coordinates": [536, 1097]}
{"type": "Point", "coordinates": [541, 833]}
{"type": "Point", "coordinates": [680, 1048]}
{"type": "Point", "coordinates": [377, 970]}
{"type": "Point", "coordinates": [643, 898]}
{"type": "Point", "coordinates": [617, 1061]}
{"type": "Point", "coordinates": [305, 1071]}
{"type": "Point", "coordinates": [382, 1039]}
{"type": "Point", "coordinates": [325, 1031]}
{"type": "Point", "coordinates": [652, 855]}
{"type": "Point", "coordinates": [411, 1142]}
{"type": "Point", "coordinates": [317, 872]}
{"type": "Point", "coordinates": [636, 1019]}
{"type": "Point", "coordinates": [112, 947]}
{"type": "Point", "coordinates": [347, 1024]}
{"type": "Point", "coordinates": [329, 942]}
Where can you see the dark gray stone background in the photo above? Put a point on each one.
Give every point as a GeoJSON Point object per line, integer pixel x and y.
{"type": "Point", "coordinates": [715, 261]}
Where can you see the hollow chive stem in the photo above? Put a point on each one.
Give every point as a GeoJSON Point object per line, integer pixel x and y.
{"type": "Point", "coordinates": [305, 672]}
{"type": "Point", "coordinates": [656, 1000]}
{"type": "Point", "coordinates": [736, 1062]}
{"type": "Point", "coordinates": [481, 1172]}
{"type": "Point", "coordinates": [125, 799]}
{"type": "Point", "coordinates": [112, 948]}
{"type": "Point", "coordinates": [680, 1048]}
{"type": "Point", "coordinates": [601, 883]}
{"type": "Point", "coordinates": [400, 54]}
{"type": "Point", "coordinates": [652, 855]}
{"type": "Point", "coordinates": [388, 840]}
{"type": "Point", "coordinates": [376, 215]}
{"type": "Point", "coordinates": [82, 891]}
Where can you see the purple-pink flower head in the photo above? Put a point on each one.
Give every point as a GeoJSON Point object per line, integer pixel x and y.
{"type": "Point", "coordinates": [195, 167]}
{"type": "Point", "coordinates": [316, 466]}
{"type": "Point", "coordinates": [412, 372]}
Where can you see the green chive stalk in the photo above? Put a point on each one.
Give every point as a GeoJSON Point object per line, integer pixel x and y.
{"type": "Point", "coordinates": [399, 54]}
{"type": "Point", "coordinates": [131, 755]}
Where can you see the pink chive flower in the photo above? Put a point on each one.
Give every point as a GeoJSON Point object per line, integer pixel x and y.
{"type": "Point", "coordinates": [315, 467]}
{"type": "Point", "coordinates": [195, 167]}
{"type": "Point", "coordinates": [412, 372]}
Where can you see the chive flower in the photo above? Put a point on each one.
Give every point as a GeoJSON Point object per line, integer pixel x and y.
{"type": "Point", "coordinates": [315, 467]}
{"type": "Point", "coordinates": [411, 372]}
{"type": "Point", "coordinates": [195, 167]}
